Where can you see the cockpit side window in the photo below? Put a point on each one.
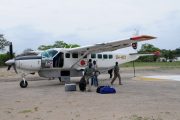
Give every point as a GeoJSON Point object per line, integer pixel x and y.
{"type": "Point", "coordinates": [49, 53]}
{"type": "Point", "coordinates": [52, 53]}
{"type": "Point", "coordinates": [45, 54]}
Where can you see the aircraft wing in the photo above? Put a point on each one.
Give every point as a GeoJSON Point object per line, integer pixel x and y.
{"type": "Point", "coordinates": [111, 46]}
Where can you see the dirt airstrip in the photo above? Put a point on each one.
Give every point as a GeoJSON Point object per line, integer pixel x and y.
{"type": "Point", "coordinates": [136, 99]}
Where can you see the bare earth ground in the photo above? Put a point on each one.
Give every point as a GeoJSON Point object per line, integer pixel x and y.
{"type": "Point", "coordinates": [135, 99]}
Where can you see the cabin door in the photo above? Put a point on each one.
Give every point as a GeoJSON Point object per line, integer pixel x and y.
{"type": "Point", "coordinates": [58, 60]}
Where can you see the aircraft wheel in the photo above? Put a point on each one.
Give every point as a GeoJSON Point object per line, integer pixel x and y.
{"type": "Point", "coordinates": [23, 84]}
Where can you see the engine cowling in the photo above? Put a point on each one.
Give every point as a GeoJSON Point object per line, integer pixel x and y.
{"type": "Point", "coordinates": [30, 63]}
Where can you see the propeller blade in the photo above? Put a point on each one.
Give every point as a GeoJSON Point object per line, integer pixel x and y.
{"type": "Point", "coordinates": [15, 69]}
{"type": "Point", "coordinates": [9, 67]}
{"type": "Point", "coordinates": [11, 63]}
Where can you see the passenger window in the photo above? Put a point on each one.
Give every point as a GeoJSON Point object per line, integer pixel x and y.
{"type": "Point", "coordinates": [93, 56]}
{"type": "Point", "coordinates": [110, 56]}
{"type": "Point", "coordinates": [67, 55]}
{"type": "Point", "coordinates": [105, 56]}
{"type": "Point", "coordinates": [75, 55]}
{"type": "Point", "coordinates": [100, 56]}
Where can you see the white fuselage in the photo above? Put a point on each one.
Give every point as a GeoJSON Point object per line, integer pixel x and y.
{"type": "Point", "coordinates": [70, 63]}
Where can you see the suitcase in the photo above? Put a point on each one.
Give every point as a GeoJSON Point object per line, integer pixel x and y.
{"type": "Point", "coordinates": [70, 87]}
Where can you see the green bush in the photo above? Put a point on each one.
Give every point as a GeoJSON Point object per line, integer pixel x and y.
{"type": "Point", "coordinates": [4, 58]}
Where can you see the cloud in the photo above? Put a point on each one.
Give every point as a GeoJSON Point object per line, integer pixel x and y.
{"type": "Point", "coordinates": [24, 37]}
{"type": "Point", "coordinates": [31, 23]}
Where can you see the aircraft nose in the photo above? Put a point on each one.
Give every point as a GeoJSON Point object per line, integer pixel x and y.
{"type": "Point", "coordinates": [10, 62]}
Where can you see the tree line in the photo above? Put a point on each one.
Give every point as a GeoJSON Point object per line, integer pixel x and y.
{"type": "Point", "coordinates": [168, 55]}
{"type": "Point", "coordinates": [58, 44]}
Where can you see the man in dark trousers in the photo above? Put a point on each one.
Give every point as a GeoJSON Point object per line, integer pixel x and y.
{"type": "Point", "coordinates": [116, 74]}
{"type": "Point", "coordinates": [110, 72]}
{"type": "Point", "coordinates": [88, 73]}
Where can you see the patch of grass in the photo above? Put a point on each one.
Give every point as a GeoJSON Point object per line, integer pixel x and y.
{"type": "Point", "coordinates": [26, 111]}
{"type": "Point", "coordinates": [136, 117]}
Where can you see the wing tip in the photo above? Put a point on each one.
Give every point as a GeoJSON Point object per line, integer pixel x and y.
{"type": "Point", "coordinates": [142, 38]}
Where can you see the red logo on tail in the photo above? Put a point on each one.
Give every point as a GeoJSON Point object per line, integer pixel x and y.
{"type": "Point", "coordinates": [157, 53]}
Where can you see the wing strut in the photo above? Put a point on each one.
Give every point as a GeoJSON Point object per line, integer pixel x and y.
{"type": "Point", "coordinates": [86, 53]}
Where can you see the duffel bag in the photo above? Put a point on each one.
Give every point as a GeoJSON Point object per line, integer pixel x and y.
{"type": "Point", "coordinates": [98, 89]}
{"type": "Point", "coordinates": [107, 90]}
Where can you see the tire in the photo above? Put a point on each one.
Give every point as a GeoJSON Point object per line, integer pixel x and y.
{"type": "Point", "coordinates": [23, 85]}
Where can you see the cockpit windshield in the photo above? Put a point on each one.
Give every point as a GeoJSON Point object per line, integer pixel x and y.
{"type": "Point", "coordinates": [49, 53]}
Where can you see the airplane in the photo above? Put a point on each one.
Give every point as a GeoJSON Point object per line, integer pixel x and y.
{"type": "Point", "coordinates": [64, 63]}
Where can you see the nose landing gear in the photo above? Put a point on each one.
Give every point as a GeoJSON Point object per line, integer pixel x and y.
{"type": "Point", "coordinates": [23, 83]}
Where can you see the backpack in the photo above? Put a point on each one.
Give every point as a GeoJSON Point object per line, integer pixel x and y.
{"type": "Point", "coordinates": [82, 84]}
{"type": "Point", "coordinates": [107, 90]}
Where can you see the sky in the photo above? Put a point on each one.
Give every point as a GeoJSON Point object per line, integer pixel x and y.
{"type": "Point", "coordinates": [31, 23]}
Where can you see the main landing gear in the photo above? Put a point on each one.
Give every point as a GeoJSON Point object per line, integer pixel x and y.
{"type": "Point", "coordinates": [23, 83]}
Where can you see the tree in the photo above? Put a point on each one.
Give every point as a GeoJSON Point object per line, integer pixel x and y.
{"type": "Point", "coordinates": [3, 42]}
{"type": "Point", "coordinates": [60, 44]}
{"type": "Point", "coordinates": [165, 54]}
{"type": "Point", "coordinates": [172, 55]}
{"type": "Point", "coordinates": [45, 47]}
{"type": "Point", "coordinates": [146, 49]}
{"type": "Point", "coordinates": [169, 54]}
{"type": "Point", "coordinates": [177, 51]}
{"type": "Point", "coordinates": [57, 44]}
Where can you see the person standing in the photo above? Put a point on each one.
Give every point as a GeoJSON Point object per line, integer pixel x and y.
{"type": "Point", "coordinates": [116, 74]}
{"type": "Point", "coordinates": [96, 73]}
{"type": "Point", "coordinates": [88, 73]}
{"type": "Point", "coordinates": [89, 62]}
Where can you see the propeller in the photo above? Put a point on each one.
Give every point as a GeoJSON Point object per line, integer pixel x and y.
{"type": "Point", "coordinates": [11, 62]}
